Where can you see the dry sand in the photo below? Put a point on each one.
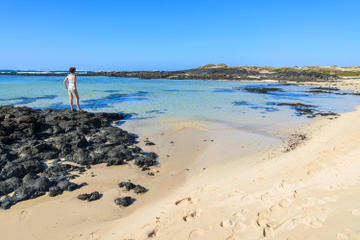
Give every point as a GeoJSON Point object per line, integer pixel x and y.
{"type": "Point", "coordinates": [241, 185]}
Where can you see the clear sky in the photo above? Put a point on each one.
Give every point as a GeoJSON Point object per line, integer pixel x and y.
{"type": "Point", "coordinates": [172, 34]}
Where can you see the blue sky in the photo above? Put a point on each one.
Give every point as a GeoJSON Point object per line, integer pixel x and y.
{"type": "Point", "coordinates": [152, 35]}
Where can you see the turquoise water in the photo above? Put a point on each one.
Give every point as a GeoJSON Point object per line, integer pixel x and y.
{"type": "Point", "coordinates": [152, 101]}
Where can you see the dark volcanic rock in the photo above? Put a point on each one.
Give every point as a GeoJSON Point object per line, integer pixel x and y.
{"type": "Point", "coordinates": [140, 189]}
{"type": "Point", "coordinates": [54, 191]}
{"type": "Point", "coordinates": [131, 186]}
{"type": "Point", "coordinates": [127, 185]}
{"type": "Point", "coordinates": [145, 161]}
{"type": "Point", "coordinates": [148, 143]}
{"type": "Point", "coordinates": [300, 76]}
{"type": "Point", "coordinates": [124, 201]}
{"type": "Point", "coordinates": [89, 197]}
{"type": "Point", "coordinates": [42, 184]}
{"type": "Point", "coordinates": [297, 105]}
{"type": "Point", "coordinates": [305, 109]}
{"type": "Point", "coordinates": [264, 90]}
{"type": "Point", "coordinates": [9, 185]}
{"type": "Point", "coordinates": [29, 138]}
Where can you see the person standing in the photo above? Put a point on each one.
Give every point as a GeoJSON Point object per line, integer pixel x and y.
{"type": "Point", "coordinates": [72, 89]}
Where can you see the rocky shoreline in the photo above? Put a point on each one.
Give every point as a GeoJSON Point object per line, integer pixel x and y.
{"type": "Point", "coordinates": [207, 73]}
{"type": "Point", "coordinates": [43, 150]}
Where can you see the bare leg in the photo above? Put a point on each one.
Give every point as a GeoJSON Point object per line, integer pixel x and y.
{"type": "Point", "coordinates": [71, 102]}
{"type": "Point", "coordinates": [77, 101]}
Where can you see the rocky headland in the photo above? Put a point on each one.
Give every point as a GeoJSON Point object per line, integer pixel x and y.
{"type": "Point", "coordinates": [211, 72]}
{"type": "Point", "coordinates": [345, 78]}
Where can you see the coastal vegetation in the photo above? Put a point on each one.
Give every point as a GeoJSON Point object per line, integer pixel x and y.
{"type": "Point", "coordinates": [331, 70]}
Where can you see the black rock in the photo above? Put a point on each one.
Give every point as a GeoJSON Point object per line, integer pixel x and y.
{"type": "Point", "coordinates": [72, 186]}
{"type": "Point", "coordinates": [29, 178]}
{"type": "Point", "coordinates": [94, 196]}
{"type": "Point", "coordinates": [25, 192]}
{"type": "Point", "coordinates": [140, 189]}
{"type": "Point", "coordinates": [82, 143]}
{"type": "Point", "coordinates": [9, 185]}
{"type": "Point", "coordinates": [83, 196]}
{"type": "Point", "coordinates": [124, 201]}
{"type": "Point", "coordinates": [6, 204]}
{"type": "Point", "coordinates": [115, 161]}
{"type": "Point", "coordinates": [42, 184]}
{"type": "Point", "coordinates": [54, 191]}
{"type": "Point", "coordinates": [131, 186]}
{"type": "Point", "coordinates": [145, 161]}
{"type": "Point", "coordinates": [63, 185]}
{"type": "Point", "coordinates": [127, 185]}
{"type": "Point", "coordinates": [29, 138]}
{"type": "Point", "coordinates": [12, 170]}
{"type": "Point", "coordinates": [89, 197]}
{"type": "Point", "coordinates": [264, 90]}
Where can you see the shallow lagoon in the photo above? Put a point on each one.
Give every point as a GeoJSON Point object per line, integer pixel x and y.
{"type": "Point", "coordinates": [160, 102]}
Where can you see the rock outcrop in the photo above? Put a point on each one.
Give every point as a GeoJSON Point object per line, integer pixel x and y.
{"type": "Point", "coordinates": [41, 150]}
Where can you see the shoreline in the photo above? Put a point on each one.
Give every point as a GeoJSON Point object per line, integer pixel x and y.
{"type": "Point", "coordinates": [305, 78]}
{"type": "Point", "coordinates": [178, 150]}
{"type": "Point", "coordinates": [221, 72]}
{"type": "Point", "coordinates": [227, 193]}
{"type": "Point", "coordinates": [101, 220]}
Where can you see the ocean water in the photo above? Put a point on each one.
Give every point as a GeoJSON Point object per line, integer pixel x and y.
{"type": "Point", "coordinates": [162, 104]}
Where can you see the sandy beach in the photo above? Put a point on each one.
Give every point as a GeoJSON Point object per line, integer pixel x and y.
{"type": "Point", "coordinates": [308, 193]}
{"type": "Point", "coordinates": [215, 182]}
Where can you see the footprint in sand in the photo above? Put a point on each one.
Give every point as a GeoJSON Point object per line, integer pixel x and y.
{"type": "Point", "coordinates": [92, 236]}
{"type": "Point", "coordinates": [247, 199]}
{"type": "Point", "coordinates": [268, 232]}
{"type": "Point", "coordinates": [192, 214]}
{"type": "Point", "coordinates": [268, 227]}
{"type": "Point", "coordinates": [291, 223]}
{"type": "Point", "coordinates": [295, 194]}
{"type": "Point", "coordinates": [240, 227]}
{"type": "Point", "coordinates": [153, 233]}
{"type": "Point", "coordinates": [227, 223]}
{"type": "Point", "coordinates": [23, 214]}
{"type": "Point", "coordinates": [347, 234]}
{"type": "Point", "coordinates": [265, 197]}
{"type": "Point", "coordinates": [274, 208]}
{"type": "Point", "coordinates": [314, 222]}
{"type": "Point", "coordinates": [355, 212]}
{"type": "Point", "coordinates": [231, 238]}
{"type": "Point", "coordinates": [184, 200]}
{"type": "Point", "coordinates": [236, 221]}
{"type": "Point", "coordinates": [262, 219]}
{"type": "Point", "coordinates": [342, 236]}
{"type": "Point", "coordinates": [239, 216]}
{"type": "Point", "coordinates": [196, 234]}
{"type": "Point", "coordinates": [285, 203]}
